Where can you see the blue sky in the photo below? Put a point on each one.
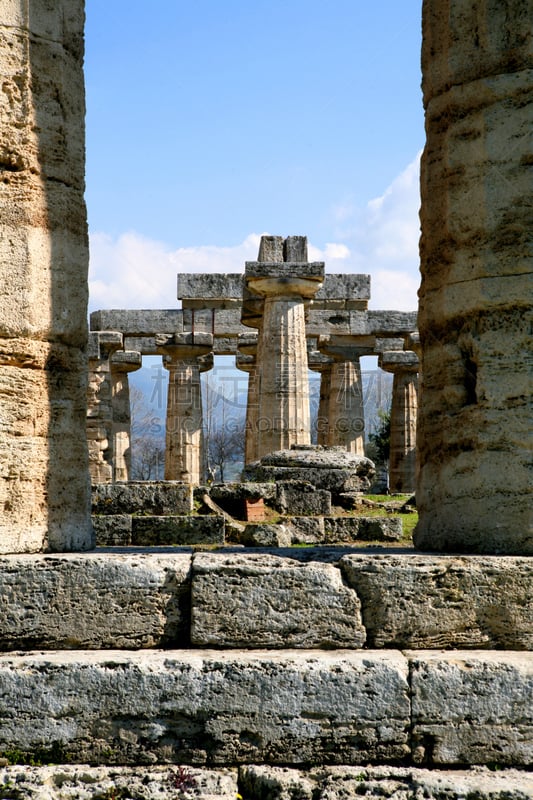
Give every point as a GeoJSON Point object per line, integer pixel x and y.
{"type": "Point", "coordinates": [209, 123]}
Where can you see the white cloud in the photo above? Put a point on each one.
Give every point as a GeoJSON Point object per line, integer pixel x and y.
{"type": "Point", "coordinates": [135, 272]}
{"type": "Point", "coordinates": [381, 239]}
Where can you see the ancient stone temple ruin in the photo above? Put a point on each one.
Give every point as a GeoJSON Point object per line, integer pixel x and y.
{"type": "Point", "coordinates": [228, 315]}
{"type": "Point", "coordinates": [320, 672]}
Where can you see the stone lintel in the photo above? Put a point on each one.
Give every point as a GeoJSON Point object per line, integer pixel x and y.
{"type": "Point", "coordinates": [190, 339]}
{"type": "Point", "coordinates": [320, 322]}
{"type": "Point", "coordinates": [145, 345]}
{"type": "Point", "coordinates": [127, 360]}
{"type": "Point", "coordinates": [392, 323]}
{"type": "Point", "coordinates": [310, 270]}
{"type": "Point", "coordinates": [386, 343]}
{"type": "Point", "coordinates": [136, 322]}
{"type": "Point", "coordinates": [399, 361]}
{"type": "Point", "coordinates": [210, 287]}
{"type": "Point", "coordinates": [338, 286]}
{"type": "Point", "coordinates": [102, 343]}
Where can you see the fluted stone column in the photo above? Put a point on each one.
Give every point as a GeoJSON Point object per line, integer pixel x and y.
{"type": "Point", "coordinates": [345, 408]}
{"type": "Point", "coordinates": [402, 460]}
{"type": "Point", "coordinates": [122, 364]}
{"type": "Point", "coordinates": [284, 415]}
{"type": "Point", "coordinates": [248, 364]}
{"type": "Point", "coordinates": [318, 362]}
{"type": "Point", "coordinates": [184, 438]}
{"type": "Point", "coordinates": [44, 483]}
{"type": "Point", "coordinates": [475, 299]}
{"type": "Point", "coordinates": [102, 344]}
{"type": "Point", "coordinates": [246, 361]}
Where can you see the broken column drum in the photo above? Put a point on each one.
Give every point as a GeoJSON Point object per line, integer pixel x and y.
{"type": "Point", "coordinates": [474, 424]}
{"type": "Point", "coordinates": [284, 413]}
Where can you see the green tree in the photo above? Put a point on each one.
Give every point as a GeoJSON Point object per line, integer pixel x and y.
{"type": "Point", "coordinates": [378, 447]}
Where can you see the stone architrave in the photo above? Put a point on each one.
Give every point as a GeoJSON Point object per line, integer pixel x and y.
{"type": "Point", "coordinates": [102, 345]}
{"type": "Point", "coordinates": [183, 451]}
{"type": "Point", "coordinates": [44, 486]}
{"type": "Point", "coordinates": [402, 460]}
{"type": "Point", "coordinates": [474, 433]}
{"type": "Point", "coordinates": [122, 363]}
{"type": "Point", "coordinates": [286, 285]}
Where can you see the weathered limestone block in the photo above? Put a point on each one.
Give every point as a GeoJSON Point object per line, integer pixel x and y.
{"type": "Point", "coordinates": [68, 782]}
{"type": "Point", "coordinates": [142, 497]}
{"type": "Point", "coordinates": [140, 323]}
{"type": "Point", "coordinates": [302, 498]}
{"type": "Point", "coordinates": [472, 707]}
{"type": "Point", "coordinates": [266, 601]}
{"type": "Point", "coordinates": [443, 602]}
{"type": "Point", "coordinates": [161, 530]}
{"type": "Point", "coordinates": [475, 420]}
{"type": "Point", "coordinates": [243, 491]}
{"type": "Point", "coordinates": [94, 602]}
{"type": "Point", "coordinates": [112, 530]}
{"type": "Point", "coordinates": [206, 707]}
{"type": "Point", "coordinates": [261, 534]}
{"type": "Point", "coordinates": [305, 530]}
{"type": "Point", "coordinates": [395, 783]}
{"type": "Point", "coordinates": [44, 493]}
{"type": "Point", "coordinates": [350, 529]}
{"type": "Point", "coordinates": [349, 289]}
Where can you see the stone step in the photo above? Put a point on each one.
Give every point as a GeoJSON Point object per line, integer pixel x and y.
{"type": "Point", "coordinates": [215, 708]}
{"type": "Point", "coordinates": [81, 782]}
{"type": "Point", "coordinates": [293, 597]}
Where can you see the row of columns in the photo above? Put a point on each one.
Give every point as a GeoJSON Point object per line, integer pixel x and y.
{"type": "Point", "coordinates": [340, 415]}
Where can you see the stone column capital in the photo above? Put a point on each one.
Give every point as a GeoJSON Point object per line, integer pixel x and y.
{"type": "Point", "coordinates": [399, 361]}
{"type": "Point", "coordinates": [126, 361]}
{"type": "Point", "coordinates": [184, 346]}
{"type": "Point", "coordinates": [284, 278]}
{"type": "Point", "coordinates": [101, 344]}
{"type": "Point", "coordinates": [245, 362]}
